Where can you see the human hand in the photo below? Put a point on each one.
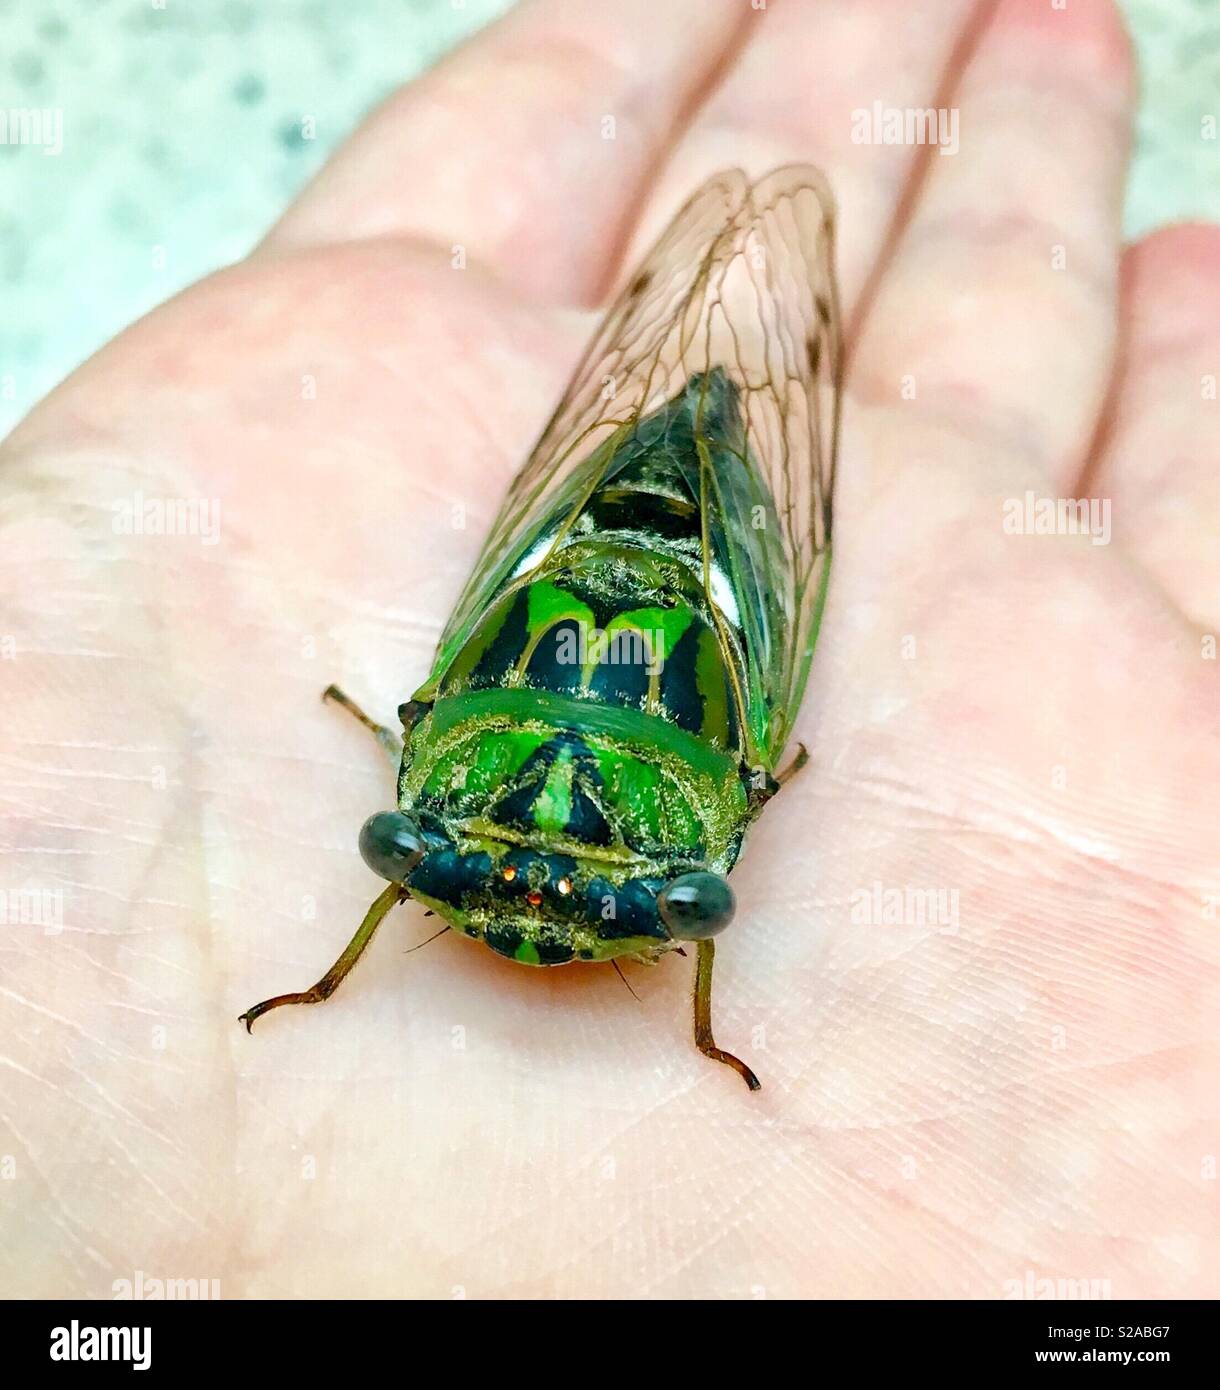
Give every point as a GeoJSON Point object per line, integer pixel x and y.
{"type": "Point", "coordinates": [1026, 721]}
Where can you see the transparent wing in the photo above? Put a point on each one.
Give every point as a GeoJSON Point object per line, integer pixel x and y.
{"type": "Point", "coordinates": [741, 281]}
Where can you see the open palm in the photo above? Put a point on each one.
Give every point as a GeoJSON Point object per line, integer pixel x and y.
{"type": "Point", "coordinates": [1024, 724]}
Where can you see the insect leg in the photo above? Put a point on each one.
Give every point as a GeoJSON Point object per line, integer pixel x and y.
{"type": "Point", "coordinates": [703, 1018]}
{"type": "Point", "coordinates": [388, 739]}
{"type": "Point", "coordinates": [802, 757]}
{"type": "Point", "coordinates": [326, 986]}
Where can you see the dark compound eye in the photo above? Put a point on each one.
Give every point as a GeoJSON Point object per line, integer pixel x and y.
{"type": "Point", "coordinates": [391, 845]}
{"type": "Point", "coordinates": [696, 906]}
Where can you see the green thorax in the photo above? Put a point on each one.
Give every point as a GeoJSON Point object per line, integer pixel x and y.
{"type": "Point", "coordinates": [584, 744]}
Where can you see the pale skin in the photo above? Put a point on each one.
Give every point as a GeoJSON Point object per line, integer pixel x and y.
{"type": "Point", "coordinates": [1029, 721]}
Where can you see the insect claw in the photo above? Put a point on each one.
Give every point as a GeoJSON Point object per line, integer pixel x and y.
{"type": "Point", "coordinates": [390, 897]}
{"type": "Point", "coordinates": [798, 762]}
{"type": "Point", "coordinates": [250, 1015]}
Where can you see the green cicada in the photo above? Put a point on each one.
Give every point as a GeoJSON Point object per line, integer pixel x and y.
{"type": "Point", "coordinates": [612, 695]}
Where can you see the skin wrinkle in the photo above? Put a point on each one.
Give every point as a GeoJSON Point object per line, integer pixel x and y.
{"type": "Point", "coordinates": [617, 263]}
{"type": "Point", "coordinates": [1008, 231]}
{"type": "Point", "coordinates": [974, 97]}
{"type": "Point", "coordinates": [61, 1218]}
{"type": "Point", "coordinates": [993, 829]}
{"type": "Point", "coordinates": [457, 86]}
{"type": "Point", "coordinates": [971, 34]}
{"type": "Point", "coordinates": [54, 1017]}
{"type": "Point", "coordinates": [49, 1085]}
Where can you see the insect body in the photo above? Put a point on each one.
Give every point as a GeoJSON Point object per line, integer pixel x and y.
{"type": "Point", "coordinates": [611, 697]}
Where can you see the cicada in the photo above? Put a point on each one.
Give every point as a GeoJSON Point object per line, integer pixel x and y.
{"type": "Point", "coordinates": [613, 694]}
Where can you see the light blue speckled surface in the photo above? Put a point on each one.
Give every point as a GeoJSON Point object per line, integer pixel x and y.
{"type": "Point", "coordinates": [181, 141]}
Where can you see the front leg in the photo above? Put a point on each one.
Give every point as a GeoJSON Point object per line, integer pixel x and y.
{"type": "Point", "coordinates": [704, 1040]}
{"type": "Point", "coordinates": [798, 762]}
{"type": "Point", "coordinates": [388, 739]}
{"type": "Point", "coordinates": [334, 977]}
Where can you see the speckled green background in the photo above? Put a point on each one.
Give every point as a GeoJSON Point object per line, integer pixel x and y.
{"type": "Point", "coordinates": [182, 141]}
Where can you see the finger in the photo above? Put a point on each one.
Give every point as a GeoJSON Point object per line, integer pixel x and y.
{"type": "Point", "coordinates": [1160, 463]}
{"type": "Point", "coordinates": [999, 306]}
{"type": "Point", "coordinates": [799, 93]}
{"type": "Point", "coordinates": [527, 147]}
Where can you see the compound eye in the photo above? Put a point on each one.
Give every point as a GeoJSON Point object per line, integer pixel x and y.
{"type": "Point", "coordinates": [391, 845]}
{"type": "Point", "coordinates": [696, 906]}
